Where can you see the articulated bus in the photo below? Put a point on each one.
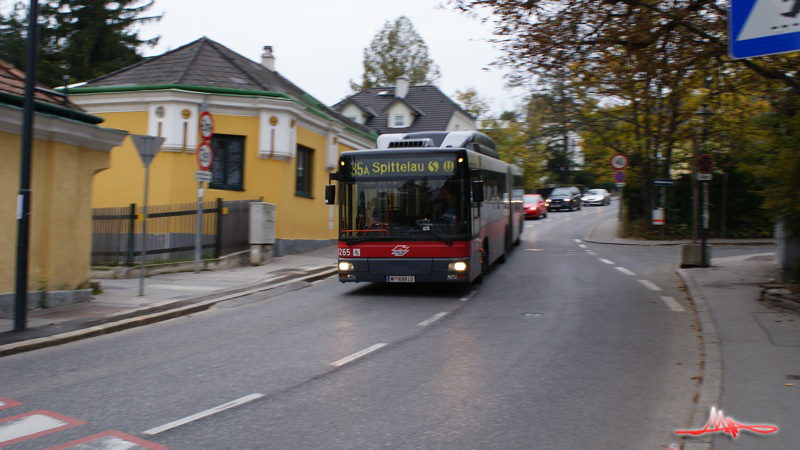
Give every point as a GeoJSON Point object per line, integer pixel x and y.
{"type": "Point", "coordinates": [425, 207]}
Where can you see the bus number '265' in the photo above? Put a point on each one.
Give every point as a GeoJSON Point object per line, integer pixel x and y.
{"type": "Point", "coordinates": [349, 252]}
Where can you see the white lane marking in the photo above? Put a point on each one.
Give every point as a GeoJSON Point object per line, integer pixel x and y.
{"type": "Point", "coordinates": [591, 252]}
{"type": "Point", "coordinates": [625, 271]}
{"type": "Point", "coordinates": [603, 260]}
{"type": "Point", "coordinates": [673, 304]}
{"type": "Point", "coordinates": [200, 415]}
{"type": "Point", "coordinates": [468, 296]}
{"type": "Point", "coordinates": [578, 241]}
{"type": "Point", "coordinates": [432, 319]}
{"type": "Point", "coordinates": [582, 245]}
{"type": "Point", "coordinates": [650, 285]}
{"type": "Point", "coordinates": [534, 249]}
{"type": "Point", "coordinates": [357, 355]}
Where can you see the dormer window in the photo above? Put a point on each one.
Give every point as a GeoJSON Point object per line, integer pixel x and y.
{"type": "Point", "coordinates": [399, 121]}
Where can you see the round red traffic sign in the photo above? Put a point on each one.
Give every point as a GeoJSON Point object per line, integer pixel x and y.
{"type": "Point", "coordinates": [619, 161]}
{"type": "Point", "coordinates": [206, 125]}
{"type": "Point", "coordinates": [205, 156]}
{"type": "Point", "coordinates": [705, 163]}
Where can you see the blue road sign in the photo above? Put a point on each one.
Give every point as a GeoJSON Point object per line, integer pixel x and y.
{"type": "Point", "coordinates": [763, 27]}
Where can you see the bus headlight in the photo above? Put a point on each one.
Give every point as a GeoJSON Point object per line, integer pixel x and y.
{"type": "Point", "coordinates": [458, 266]}
{"type": "Point", "coordinates": [345, 266]}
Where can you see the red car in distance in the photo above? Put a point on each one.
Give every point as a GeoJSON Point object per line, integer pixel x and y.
{"type": "Point", "coordinates": [535, 206]}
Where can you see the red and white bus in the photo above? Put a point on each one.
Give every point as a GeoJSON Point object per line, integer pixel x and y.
{"type": "Point", "coordinates": [426, 207]}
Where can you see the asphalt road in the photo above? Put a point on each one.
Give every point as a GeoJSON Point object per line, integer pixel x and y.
{"type": "Point", "coordinates": [567, 345]}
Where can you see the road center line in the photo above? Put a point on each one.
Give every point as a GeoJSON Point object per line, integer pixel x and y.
{"type": "Point", "coordinates": [625, 271]}
{"type": "Point", "coordinates": [673, 304]}
{"type": "Point", "coordinates": [200, 415]}
{"type": "Point", "coordinates": [603, 260]}
{"type": "Point", "coordinates": [357, 355]}
{"type": "Point", "coordinates": [650, 285]}
{"type": "Point", "coordinates": [432, 319]}
{"type": "Point", "coordinates": [578, 241]}
{"type": "Point", "coordinates": [582, 245]}
{"type": "Point", "coordinates": [468, 296]}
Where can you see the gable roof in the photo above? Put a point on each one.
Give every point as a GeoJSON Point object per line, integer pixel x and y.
{"type": "Point", "coordinates": [205, 63]}
{"type": "Point", "coordinates": [433, 108]}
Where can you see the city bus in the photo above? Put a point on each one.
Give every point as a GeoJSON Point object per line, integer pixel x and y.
{"type": "Point", "coordinates": [425, 207]}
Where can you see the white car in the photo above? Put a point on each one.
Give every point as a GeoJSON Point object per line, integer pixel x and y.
{"type": "Point", "coordinates": [599, 197]}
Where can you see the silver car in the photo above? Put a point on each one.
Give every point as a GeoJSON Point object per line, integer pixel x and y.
{"type": "Point", "coordinates": [599, 197]}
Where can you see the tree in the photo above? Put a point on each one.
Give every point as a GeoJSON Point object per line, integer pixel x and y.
{"type": "Point", "coordinates": [473, 103]}
{"type": "Point", "coordinates": [648, 59]}
{"type": "Point", "coordinates": [83, 39]}
{"type": "Point", "coordinates": [397, 50]}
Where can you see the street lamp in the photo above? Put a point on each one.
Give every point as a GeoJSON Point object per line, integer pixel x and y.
{"type": "Point", "coordinates": [704, 112]}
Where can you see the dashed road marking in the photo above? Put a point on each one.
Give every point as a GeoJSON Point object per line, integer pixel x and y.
{"type": "Point", "coordinates": [625, 271]}
{"type": "Point", "coordinates": [432, 319]}
{"type": "Point", "coordinates": [578, 241]}
{"type": "Point", "coordinates": [468, 296]}
{"type": "Point", "coordinates": [650, 285]}
{"type": "Point", "coordinates": [202, 414]}
{"type": "Point", "coordinates": [355, 356]}
{"type": "Point", "coordinates": [582, 245]}
{"type": "Point", "coordinates": [673, 304]}
{"type": "Point", "coordinates": [606, 261]}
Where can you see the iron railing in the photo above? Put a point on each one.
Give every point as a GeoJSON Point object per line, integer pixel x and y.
{"type": "Point", "coordinates": [171, 232]}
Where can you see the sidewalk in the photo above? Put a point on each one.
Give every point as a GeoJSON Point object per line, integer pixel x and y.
{"type": "Point", "coordinates": [752, 352]}
{"type": "Point", "coordinates": [166, 296]}
{"type": "Point", "coordinates": [751, 369]}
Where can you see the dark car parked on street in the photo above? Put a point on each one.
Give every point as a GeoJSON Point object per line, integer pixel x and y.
{"type": "Point", "coordinates": [568, 198]}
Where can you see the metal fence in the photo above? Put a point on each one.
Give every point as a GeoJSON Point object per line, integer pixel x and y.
{"type": "Point", "coordinates": [171, 232]}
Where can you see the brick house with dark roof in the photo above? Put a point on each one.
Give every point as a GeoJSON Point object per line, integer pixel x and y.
{"type": "Point", "coordinates": [405, 109]}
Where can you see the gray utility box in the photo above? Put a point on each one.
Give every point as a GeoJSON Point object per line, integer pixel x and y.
{"type": "Point", "coordinates": [262, 232]}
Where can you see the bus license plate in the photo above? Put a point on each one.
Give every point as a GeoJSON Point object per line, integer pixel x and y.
{"type": "Point", "coordinates": [400, 279]}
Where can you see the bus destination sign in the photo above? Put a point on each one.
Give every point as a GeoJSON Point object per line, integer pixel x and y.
{"type": "Point", "coordinates": [402, 166]}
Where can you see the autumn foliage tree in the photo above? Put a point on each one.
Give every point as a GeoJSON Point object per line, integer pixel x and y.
{"type": "Point", "coordinates": [640, 70]}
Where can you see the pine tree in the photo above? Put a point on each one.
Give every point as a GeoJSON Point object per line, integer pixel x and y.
{"type": "Point", "coordinates": [83, 39]}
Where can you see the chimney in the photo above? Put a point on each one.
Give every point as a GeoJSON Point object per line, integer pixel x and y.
{"type": "Point", "coordinates": [401, 87]}
{"type": "Point", "coordinates": [267, 60]}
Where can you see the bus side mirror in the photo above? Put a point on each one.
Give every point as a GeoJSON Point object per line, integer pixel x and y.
{"type": "Point", "coordinates": [477, 191]}
{"type": "Point", "coordinates": [330, 194]}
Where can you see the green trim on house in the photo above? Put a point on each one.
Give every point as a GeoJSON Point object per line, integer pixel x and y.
{"type": "Point", "coordinates": [49, 108]}
{"type": "Point", "coordinates": [310, 103]}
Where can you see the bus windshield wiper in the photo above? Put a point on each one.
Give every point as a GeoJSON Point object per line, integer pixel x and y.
{"type": "Point", "coordinates": [449, 242]}
{"type": "Point", "coordinates": [357, 240]}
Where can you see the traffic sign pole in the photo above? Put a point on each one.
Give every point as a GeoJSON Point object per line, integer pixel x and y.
{"type": "Point", "coordinates": [205, 159]}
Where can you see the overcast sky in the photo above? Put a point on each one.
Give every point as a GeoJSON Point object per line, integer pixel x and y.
{"type": "Point", "coordinates": [319, 44]}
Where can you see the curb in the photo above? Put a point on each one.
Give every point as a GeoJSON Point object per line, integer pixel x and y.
{"type": "Point", "coordinates": [146, 316]}
{"type": "Point", "coordinates": [710, 391]}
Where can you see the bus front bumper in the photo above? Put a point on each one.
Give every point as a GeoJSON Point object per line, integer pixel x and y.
{"type": "Point", "coordinates": [411, 270]}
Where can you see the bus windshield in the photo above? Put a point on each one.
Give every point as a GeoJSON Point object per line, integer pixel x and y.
{"type": "Point", "coordinates": [410, 209]}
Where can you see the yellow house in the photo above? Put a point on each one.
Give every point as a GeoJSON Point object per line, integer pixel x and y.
{"type": "Point", "coordinates": [68, 150]}
{"type": "Point", "coordinates": [271, 139]}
